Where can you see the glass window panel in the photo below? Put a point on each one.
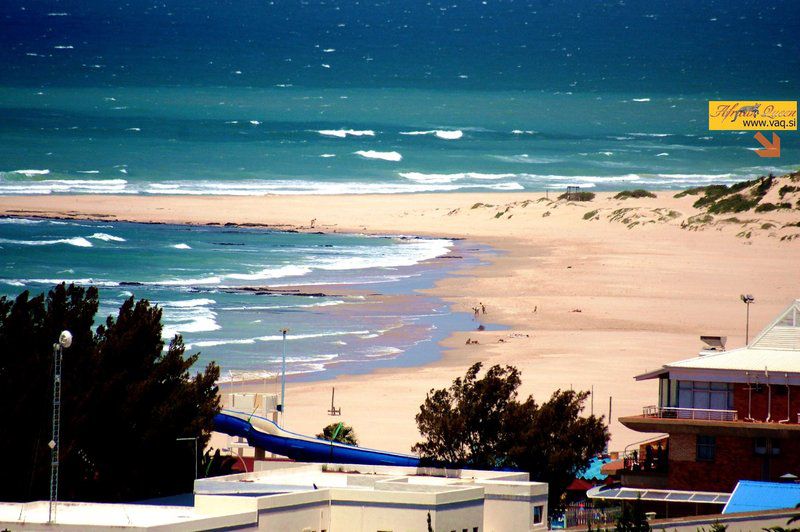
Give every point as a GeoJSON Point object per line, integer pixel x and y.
{"type": "Point", "coordinates": [719, 400]}
{"type": "Point", "coordinates": [701, 399]}
{"type": "Point", "coordinates": [685, 385]}
{"type": "Point", "coordinates": [685, 399]}
{"type": "Point", "coordinates": [719, 385]}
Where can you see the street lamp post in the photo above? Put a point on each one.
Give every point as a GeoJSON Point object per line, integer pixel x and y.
{"type": "Point", "coordinates": [747, 299]}
{"type": "Point", "coordinates": [64, 341]}
{"type": "Point", "coordinates": [283, 379]}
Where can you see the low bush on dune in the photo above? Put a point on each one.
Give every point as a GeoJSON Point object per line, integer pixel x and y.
{"type": "Point", "coordinates": [577, 196]}
{"type": "Point", "coordinates": [638, 193]}
{"type": "Point", "coordinates": [766, 207]}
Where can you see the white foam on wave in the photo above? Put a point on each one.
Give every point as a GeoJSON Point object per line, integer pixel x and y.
{"type": "Point", "coordinates": [302, 187]}
{"type": "Point", "coordinates": [280, 307]}
{"type": "Point", "coordinates": [63, 47]}
{"type": "Point", "coordinates": [188, 303]}
{"type": "Point", "coordinates": [188, 316]}
{"type": "Point", "coordinates": [182, 246]}
{"type": "Point", "coordinates": [342, 133]}
{"type": "Point", "coordinates": [20, 221]}
{"type": "Point", "coordinates": [420, 177]}
{"type": "Point", "coordinates": [382, 155]}
{"type": "Point", "coordinates": [658, 135]}
{"type": "Point", "coordinates": [440, 133]}
{"type": "Point", "coordinates": [327, 155]}
{"type": "Point", "coordinates": [77, 241]}
{"type": "Point", "coordinates": [641, 99]}
{"type": "Point", "coordinates": [88, 171]}
{"type": "Point", "coordinates": [527, 159]}
{"type": "Point", "coordinates": [185, 282]}
{"type": "Point", "coordinates": [107, 238]}
{"type": "Point", "coordinates": [271, 273]}
{"type": "Point", "coordinates": [662, 154]}
{"type": "Point", "coordinates": [523, 132]}
{"type": "Point", "coordinates": [52, 186]}
{"type": "Point", "coordinates": [31, 173]}
{"type": "Point", "coordinates": [255, 122]}
{"type": "Point", "coordinates": [406, 252]}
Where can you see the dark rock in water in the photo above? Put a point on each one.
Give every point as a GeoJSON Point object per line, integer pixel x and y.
{"type": "Point", "coordinates": [228, 243]}
{"type": "Point", "coordinates": [131, 283]}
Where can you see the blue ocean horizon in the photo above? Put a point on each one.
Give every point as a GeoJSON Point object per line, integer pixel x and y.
{"type": "Point", "coordinates": [327, 97]}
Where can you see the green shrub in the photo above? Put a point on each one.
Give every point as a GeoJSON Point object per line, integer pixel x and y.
{"type": "Point", "coordinates": [577, 196]}
{"type": "Point", "coordinates": [766, 207]}
{"type": "Point", "coordinates": [638, 193]}
{"type": "Point", "coordinates": [786, 189]}
{"type": "Point", "coordinates": [735, 203]}
{"type": "Point", "coordinates": [589, 215]}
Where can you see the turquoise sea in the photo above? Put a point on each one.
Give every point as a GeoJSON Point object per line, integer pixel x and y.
{"type": "Point", "coordinates": [253, 97]}
{"type": "Point", "coordinates": [327, 96]}
{"type": "Point", "coordinates": [350, 302]}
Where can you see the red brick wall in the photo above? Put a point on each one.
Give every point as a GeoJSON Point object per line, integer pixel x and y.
{"type": "Point", "coordinates": [758, 408]}
{"type": "Point", "coordinates": [735, 460]}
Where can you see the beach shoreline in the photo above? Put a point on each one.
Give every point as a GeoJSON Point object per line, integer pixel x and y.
{"type": "Point", "coordinates": [590, 301]}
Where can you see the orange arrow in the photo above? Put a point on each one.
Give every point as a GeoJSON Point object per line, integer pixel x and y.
{"type": "Point", "coordinates": [770, 149]}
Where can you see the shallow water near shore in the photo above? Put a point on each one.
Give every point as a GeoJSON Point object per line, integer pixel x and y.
{"type": "Point", "coordinates": [351, 303]}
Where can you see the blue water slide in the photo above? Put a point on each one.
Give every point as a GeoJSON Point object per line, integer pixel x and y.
{"type": "Point", "coordinates": [265, 434]}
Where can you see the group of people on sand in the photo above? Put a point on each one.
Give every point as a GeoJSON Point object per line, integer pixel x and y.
{"type": "Point", "coordinates": [480, 309]}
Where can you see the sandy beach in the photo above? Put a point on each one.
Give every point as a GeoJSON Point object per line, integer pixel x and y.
{"type": "Point", "coordinates": [592, 295]}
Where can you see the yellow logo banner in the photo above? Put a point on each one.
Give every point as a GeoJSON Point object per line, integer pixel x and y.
{"type": "Point", "coordinates": [752, 115]}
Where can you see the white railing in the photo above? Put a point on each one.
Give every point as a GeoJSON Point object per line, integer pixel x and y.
{"type": "Point", "coordinates": [705, 414]}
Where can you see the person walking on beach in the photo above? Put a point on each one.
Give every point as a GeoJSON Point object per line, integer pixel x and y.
{"type": "Point", "coordinates": [483, 309]}
{"type": "Point", "coordinates": [475, 310]}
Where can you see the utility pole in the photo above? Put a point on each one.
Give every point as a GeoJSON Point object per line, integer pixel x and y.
{"type": "Point", "coordinates": [747, 299]}
{"type": "Point", "coordinates": [283, 380]}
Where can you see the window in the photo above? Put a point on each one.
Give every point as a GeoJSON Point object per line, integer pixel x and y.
{"type": "Point", "coordinates": [537, 514]}
{"type": "Point", "coordinates": [706, 447]}
{"type": "Point", "coordinates": [765, 446]}
{"type": "Point", "coordinates": [705, 395]}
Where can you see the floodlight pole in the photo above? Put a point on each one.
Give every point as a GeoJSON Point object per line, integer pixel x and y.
{"type": "Point", "coordinates": [747, 299]}
{"type": "Point", "coordinates": [64, 340]}
{"type": "Point", "coordinates": [283, 379]}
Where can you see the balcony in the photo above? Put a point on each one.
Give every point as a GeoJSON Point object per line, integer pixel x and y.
{"type": "Point", "coordinates": [705, 414]}
{"type": "Point", "coordinates": [707, 421]}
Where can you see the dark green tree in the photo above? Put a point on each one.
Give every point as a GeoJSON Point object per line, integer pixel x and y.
{"type": "Point", "coordinates": [344, 435]}
{"type": "Point", "coordinates": [478, 422]}
{"type": "Point", "coordinates": [125, 400]}
{"type": "Point", "coordinates": [632, 518]}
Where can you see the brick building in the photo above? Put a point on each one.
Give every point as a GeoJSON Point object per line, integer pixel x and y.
{"type": "Point", "coordinates": [727, 415]}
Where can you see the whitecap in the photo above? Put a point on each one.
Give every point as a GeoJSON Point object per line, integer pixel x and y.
{"type": "Point", "coordinates": [523, 132]}
{"type": "Point", "coordinates": [182, 246]}
{"type": "Point", "coordinates": [329, 50]}
{"type": "Point", "coordinates": [440, 133]}
{"type": "Point", "coordinates": [342, 133]}
{"type": "Point", "coordinates": [271, 273]}
{"type": "Point", "coordinates": [185, 282]}
{"type": "Point", "coordinates": [58, 14]}
{"type": "Point", "coordinates": [662, 154]}
{"type": "Point", "coordinates": [641, 99]}
{"type": "Point", "coordinates": [188, 303]}
{"type": "Point", "coordinates": [255, 122]}
{"type": "Point", "coordinates": [527, 159]}
{"type": "Point", "coordinates": [107, 238]}
{"type": "Point", "coordinates": [77, 241]}
{"type": "Point", "coordinates": [133, 129]}
{"type": "Point", "coordinates": [382, 155]}
{"type": "Point", "coordinates": [88, 171]}
{"type": "Point", "coordinates": [325, 65]}
{"type": "Point", "coordinates": [63, 47]}
{"type": "Point", "coordinates": [31, 173]}
{"type": "Point", "coordinates": [449, 178]}
{"type": "Point", "coordinates": [327, 155]}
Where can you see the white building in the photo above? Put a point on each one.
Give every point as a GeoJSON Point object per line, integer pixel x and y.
{"type": "Point", "coordinates": [310, 497]}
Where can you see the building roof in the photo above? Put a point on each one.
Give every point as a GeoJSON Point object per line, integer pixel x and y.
{"type": "Point", "coordinates": [753, 496]}
{"type": "Point", "coordinates": [624, 493]}
{"type": "Point", "coordinates": [593, 470]}
{"type": "Point", "coordinates": [776, 351]}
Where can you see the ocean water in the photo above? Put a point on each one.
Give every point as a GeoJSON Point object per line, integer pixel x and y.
{"type": "Point", "coordinates": [328, 96]}
{"type": "Point", "coordinates": [349, 301]}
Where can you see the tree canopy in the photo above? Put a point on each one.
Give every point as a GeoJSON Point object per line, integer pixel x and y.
{"type": "Point", "coordinates": [344, 435]}
{"type": "Point", "coordinates": [125, 400]}
{"type": "Point", "coordinates": [480, 423]}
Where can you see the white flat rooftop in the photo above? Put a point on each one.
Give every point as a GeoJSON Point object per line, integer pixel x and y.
{"type": "Point", "coordinates": [107, 515]}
